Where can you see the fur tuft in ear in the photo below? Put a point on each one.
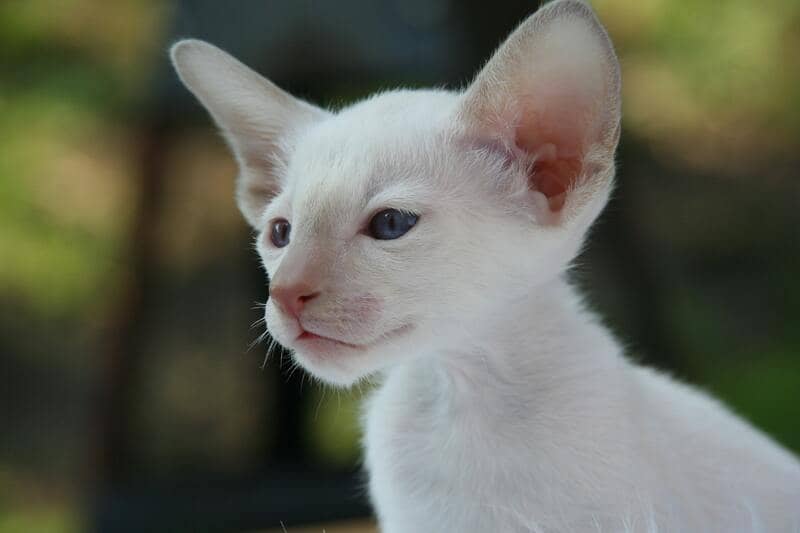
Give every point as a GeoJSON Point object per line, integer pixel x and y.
{"type": "Point", "coordinates": [257, 118]}
{"type": "Point", "coordinates": [550, 95]}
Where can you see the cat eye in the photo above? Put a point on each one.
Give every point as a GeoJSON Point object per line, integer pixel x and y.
{"type": "Point", "coordinates": [391, 224]}
{"type": "Point", "coordinates": [279, 232]}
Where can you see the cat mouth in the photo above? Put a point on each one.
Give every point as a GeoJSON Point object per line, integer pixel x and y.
{"type": "Point", "coordinates": [311, 339]}
{"type": "Point", "coordinates": [316, 342]}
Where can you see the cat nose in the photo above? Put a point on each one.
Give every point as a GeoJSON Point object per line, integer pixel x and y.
{"type": "Point", "coordinates": [292, 298]}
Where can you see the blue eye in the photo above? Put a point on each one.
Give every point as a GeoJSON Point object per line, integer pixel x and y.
{"type": "Point", "coordinates": [279, 232]}
{"type": "Point", "coordinates": [391, 224]}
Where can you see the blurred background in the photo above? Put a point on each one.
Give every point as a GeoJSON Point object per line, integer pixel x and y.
{"type": "Point", "coordinates": [130, 397]}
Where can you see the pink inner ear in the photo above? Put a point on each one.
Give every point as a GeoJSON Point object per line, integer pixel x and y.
{"type": "Point", "coordinates": [554, 179]}
{"type": "Point", "coordinates": [556, 139]}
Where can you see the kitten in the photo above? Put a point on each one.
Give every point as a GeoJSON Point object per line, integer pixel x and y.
{"type": "Point", "coordinates": [423, 237]}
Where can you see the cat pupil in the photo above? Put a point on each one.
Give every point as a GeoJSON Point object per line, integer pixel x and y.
{"type": "Point", "coordinates": [391, 224]}
{"type": "Point", "coordinates": [279, 234]}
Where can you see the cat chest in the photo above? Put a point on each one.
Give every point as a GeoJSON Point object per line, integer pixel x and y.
{"type": "Point", "coordinates": [427, 458]}
{"type": "Point", "coordinates": [463, 466]}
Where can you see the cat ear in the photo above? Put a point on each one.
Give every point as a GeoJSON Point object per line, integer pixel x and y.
{"type": "Point", "coordinates": [256, 117]}
{"type": "Point", "coordinates": [550, 97]}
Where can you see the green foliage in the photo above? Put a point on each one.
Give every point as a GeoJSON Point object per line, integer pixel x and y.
{"type": "Point", "coordinates": [334, 422]}
{"type": "Point", "coordinates": [47, 520]}
{"type": "Point", "coordinates": [764, 390]}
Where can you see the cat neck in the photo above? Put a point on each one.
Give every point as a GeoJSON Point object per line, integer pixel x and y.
{"type": "Point", "coordinates": [538, 346]}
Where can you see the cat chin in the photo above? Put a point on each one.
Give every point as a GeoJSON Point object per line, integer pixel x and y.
{"type": "Point", "coordinates": [338, 367]}
{"type": "Point", "coordinates": [334, 370]}
{"type": "Point", "coordinates": [341, 364]}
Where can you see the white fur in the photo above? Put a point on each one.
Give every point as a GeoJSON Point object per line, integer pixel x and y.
{"type": "Point", "coordinates": [504, 405]}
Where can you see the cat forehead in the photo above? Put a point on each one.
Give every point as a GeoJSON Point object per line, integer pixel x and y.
{"type": "Point", "coordinates": [381, 144]}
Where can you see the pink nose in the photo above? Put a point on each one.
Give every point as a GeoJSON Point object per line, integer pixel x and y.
{"type": "Point", "coordinates": [292, 298]}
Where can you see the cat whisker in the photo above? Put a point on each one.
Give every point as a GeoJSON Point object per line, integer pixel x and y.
{"type": "Point", "coordinates": [258, 340]}
{"type": "Point", "coordinates": [319, 403]}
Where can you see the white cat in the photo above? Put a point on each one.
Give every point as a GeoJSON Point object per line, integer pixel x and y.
{"type": "Point", "coordinates": [423, 237]}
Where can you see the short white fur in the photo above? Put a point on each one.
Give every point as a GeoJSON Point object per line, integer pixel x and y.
{"type": "Point", "coordinates": [503, 404]}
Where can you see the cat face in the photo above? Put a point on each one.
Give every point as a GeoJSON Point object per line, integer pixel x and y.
{"type": "Point", "coordinates": [389, 229]}
{"type": "Point", "coordinates": [383, 297]}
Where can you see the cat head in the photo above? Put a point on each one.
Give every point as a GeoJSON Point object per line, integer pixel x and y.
{"type": "Point", "coordinates": [396, 224]}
